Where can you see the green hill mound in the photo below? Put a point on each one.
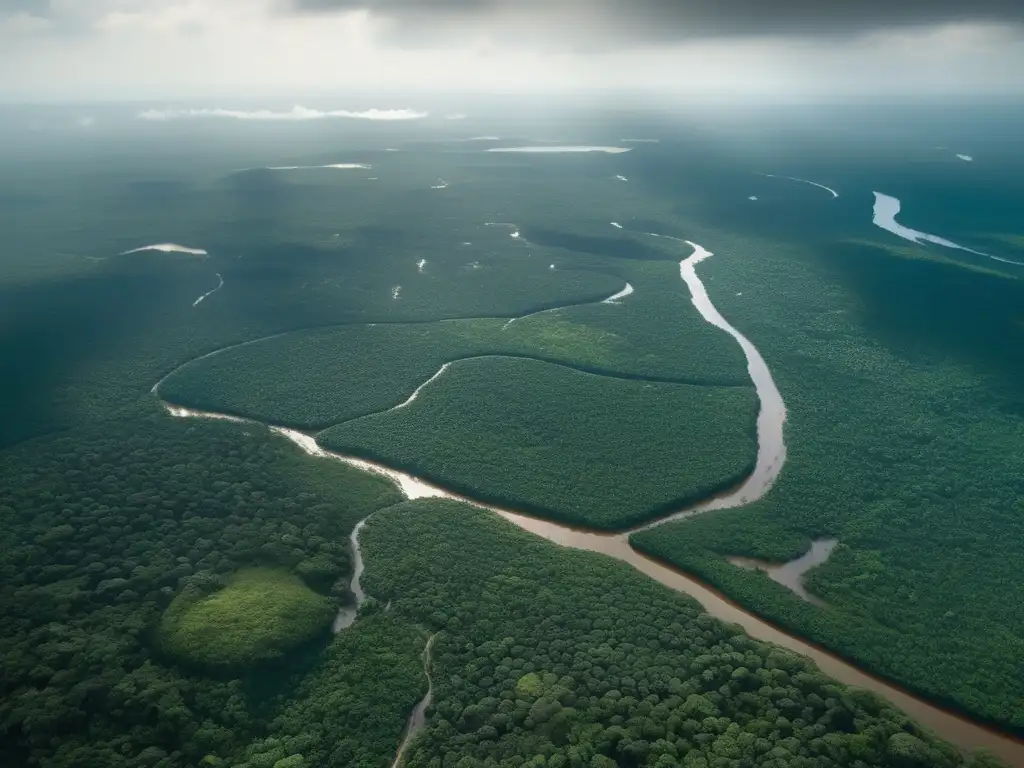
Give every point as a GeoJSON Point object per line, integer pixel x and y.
{"type": "Point", "coordinates": [258, 616]}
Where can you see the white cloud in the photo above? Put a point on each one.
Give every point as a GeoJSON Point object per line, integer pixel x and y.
{"type": "Point", "coordinates": [295, 113]}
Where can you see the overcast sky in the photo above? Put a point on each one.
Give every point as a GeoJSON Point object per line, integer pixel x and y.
{"type": "Point", "coordinates": [207, 52]}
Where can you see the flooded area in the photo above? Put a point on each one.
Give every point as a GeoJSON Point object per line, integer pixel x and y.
{"type": "Point", "coordinates": [791, 574]}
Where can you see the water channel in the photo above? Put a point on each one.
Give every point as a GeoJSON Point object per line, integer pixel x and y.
{"type": "Point", "coordinates": [418, 718]}
{"type": "Point", "coordinates": [791, 574]}
{"type": "Point", "coordinates": [957, 729]}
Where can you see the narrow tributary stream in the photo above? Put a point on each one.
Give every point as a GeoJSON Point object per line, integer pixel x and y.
{"type": "Point", "coordinates": [418, 718]}
{"type": "Point", "coordinates": [771, 455]}
{"type": "Point", "coordinates": [347, 615]}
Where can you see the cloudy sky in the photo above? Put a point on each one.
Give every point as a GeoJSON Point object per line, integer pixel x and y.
{"type": "Point", "coordinates": [207, 51]}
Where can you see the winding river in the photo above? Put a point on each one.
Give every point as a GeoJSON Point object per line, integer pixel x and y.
{"type": "Point", "coordinates": [771, 418]}
{"type": "Point", "coordinates": [802, 181]}
{"type": "Point", "coordinates": [771, 456]}
{"type": "Point", "coordinates": [220, 284]}
{"type": "Point", "coordinates": [884, 216]}
{"type": "Point", "coordinates": [627, 289]}
{"type": "Point", "coordinates": [347, 614]}
{"type": "Point", "coordinates": [418, 718]}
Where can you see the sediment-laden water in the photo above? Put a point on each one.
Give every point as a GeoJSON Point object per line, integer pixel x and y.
{"type": "Point", "coordinates": [791, 574]}
{"type": "Point", "coordinates": [771, 457]}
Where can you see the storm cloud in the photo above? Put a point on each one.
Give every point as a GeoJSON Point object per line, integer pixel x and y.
{"type": "Point", "coordinates": [261, 56]}
{"type": "Point", "coordinates": [660, 21]}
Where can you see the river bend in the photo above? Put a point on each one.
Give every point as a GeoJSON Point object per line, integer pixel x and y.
{"type": "Point", "coordinates": [957, 729]}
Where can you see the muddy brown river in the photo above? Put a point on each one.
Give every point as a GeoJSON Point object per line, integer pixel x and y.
{"type": "Point", "coordinates": [957, 729]}
{"type": "Point", "coordinates": [791, 574]}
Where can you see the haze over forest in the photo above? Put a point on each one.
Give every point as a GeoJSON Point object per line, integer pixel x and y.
{"type": "Point", "coordinates": [503, 384]}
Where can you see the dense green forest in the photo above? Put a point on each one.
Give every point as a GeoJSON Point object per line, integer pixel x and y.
{"type": "Point", "coordinates": [103, 530]}
{"type": "Point", "coordinates": [561, 658]}
{"type": "Point", "coordinates": [167, 585]}
{"type": "Point", "coordinates": [84, 331]}
{"type": "Point", "coordinates": [546, 657]}
{"type": "Point", "coordinates": [316, 378]}
{"type": "Point", "coordinates": [904, 429]}
{"type": "Point", "coordinates": [79, 347]}
{"type": "Point", "coordinates": [349, 708]}
{"type": "Point", "coordinates": [547, 439]}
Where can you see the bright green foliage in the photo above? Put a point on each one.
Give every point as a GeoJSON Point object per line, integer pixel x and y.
{"type": "Point", "coordinates": [529, 685]}
{"type": "Point", "coordinates": [259, 615]}
{"type": "Point", "coordinates": [552, 657]}
{"type": "Point", "coordinates": [550, 440]}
